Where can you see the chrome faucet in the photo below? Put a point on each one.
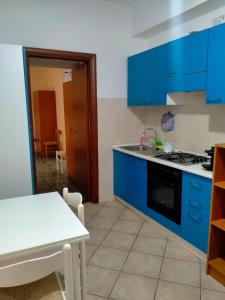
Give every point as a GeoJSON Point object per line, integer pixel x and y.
{"type": "Point", "coordinates": [149, 139]}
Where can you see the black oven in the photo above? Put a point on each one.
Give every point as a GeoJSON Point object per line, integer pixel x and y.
{"type": "Point", "coordinates": [164, 191]}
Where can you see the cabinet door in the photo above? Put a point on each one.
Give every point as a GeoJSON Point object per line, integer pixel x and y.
{"type": "Point", "coordinates": [137, 179]}
{"type": "Point", "coordinates": [196, 192]}
{"type": "Point", "coordinates": [130, 179]}
{"type": "Point", "coordinates": [146, 78]}
{"type": "Point", "coordinates": [188, 54]}
{"type": "Point", "coordinates": [120, 175]}
{"type": "Point", "coordinates": [215, 91]}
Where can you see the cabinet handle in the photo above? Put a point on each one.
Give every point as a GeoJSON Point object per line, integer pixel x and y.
{"type": "Point", "coordinates": [195, 204]}
{"type": "Point", "coordinates": [196, 186]}
{"type": "Point", "coordinates": [148, 101]}
{"type": "Point", "coordinates": [218, 100]}
{"type": "Point", "coordinates": [195, 218]}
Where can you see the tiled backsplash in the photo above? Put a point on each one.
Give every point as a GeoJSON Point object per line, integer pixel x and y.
{"type": "Point", "coordinates": [197, 127]}
{"type": "Point", "coordinates": [116, 124]}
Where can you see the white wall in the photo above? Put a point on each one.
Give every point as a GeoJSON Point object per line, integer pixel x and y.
{"type": "Point", "coordinates": [98, 26]}
{"type": "Point", "coordinates": [15, 175]}
{"type": "Point", "coordinates": [95, 26]}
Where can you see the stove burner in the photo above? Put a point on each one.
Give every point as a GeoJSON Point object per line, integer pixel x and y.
{"type": "Point", "coordinates": [182, 158]}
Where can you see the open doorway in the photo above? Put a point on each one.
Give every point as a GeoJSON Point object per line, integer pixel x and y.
{"type": "Point", "coordinates": [63, 114]}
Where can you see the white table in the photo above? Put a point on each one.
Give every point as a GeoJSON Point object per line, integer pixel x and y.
{"type": "Point", "coordinates": [37, 224]}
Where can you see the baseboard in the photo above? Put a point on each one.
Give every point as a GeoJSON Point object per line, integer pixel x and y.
{"type": "Point", "coordinates": [166, 231]}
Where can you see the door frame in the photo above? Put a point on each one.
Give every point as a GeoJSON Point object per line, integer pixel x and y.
{"type": "Point", "coordinates": [90, 59]}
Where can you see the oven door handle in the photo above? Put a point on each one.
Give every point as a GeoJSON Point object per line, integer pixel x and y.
{"type": "Point", "coordinates": [157, 178]}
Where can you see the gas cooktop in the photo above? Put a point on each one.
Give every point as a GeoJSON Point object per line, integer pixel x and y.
{"type": "Point", "coordinates": [182, 158]}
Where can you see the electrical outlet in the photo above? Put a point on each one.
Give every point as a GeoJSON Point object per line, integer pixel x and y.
{"type": "Point", "coordinates": [218, 20]}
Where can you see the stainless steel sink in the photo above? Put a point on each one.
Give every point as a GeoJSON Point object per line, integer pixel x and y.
{"type": "Point", "coordinates": [145, 150]}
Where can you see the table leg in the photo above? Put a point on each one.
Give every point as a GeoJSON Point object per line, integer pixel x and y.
{"type": "Point", "coordinates": [83, 270]}
{"type": "Point", "coordinates": [76, 273]}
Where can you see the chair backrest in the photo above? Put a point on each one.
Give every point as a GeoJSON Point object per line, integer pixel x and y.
{"type": "Point", "coordinates": [75, 201]}
{"type": "Point", "coordinates": [34, 269]}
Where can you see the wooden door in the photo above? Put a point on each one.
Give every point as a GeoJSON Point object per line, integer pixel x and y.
{"type": "Point", "coordinates": [45, 122]}
{"type": "Point", "coordinates": [36, 124]}
{"type": "Point", "coordinates": [76, 126]}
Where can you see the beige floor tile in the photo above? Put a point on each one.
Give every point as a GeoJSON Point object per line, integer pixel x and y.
{"type": "Point", "coordinates": [174, 250]}
{"type": "Point", "coordinates": [100, 281]}
{"type": "Point", "coordinates": [129, 215]}
{"type": "Point", "coordinates": [91, 208]}
{"type": "Point", "coordinates": [212, 295]}
{"type": "Point", "coordinates": [90, 249]}
{"type": "Point", "coordinates": [208, 282]}
{"type": "Point", "coordinates": [109, 258]}
{"type": "Point", "coordinates": [127, 226]}
{"type": "Point", "coordinates": [181, 272]}
{"type": "Point", "coordinates": [114, 203]}
{"type": "Point", "coordinates": [143, 264]}
{"type": "Point", "coordinates": [87, 218]}
{"type": "Point", "coordinates": [134, 287]}
{"type": "Point", "coordinates": [119, 240]}
{"type": "Point", "coordinates": [149, 245]}
{"type": "Point", "coordinates": [102, 223]}
{"type": "Point", "coordinates": [151, 231]}
{"type": "Point", "coordinates": [110, 212]}
{"type": "Point", "coordinates": [93, 297]}
{"type": "Point", "coordinates": [173, 291]}
{"type": "Point", "coordinates": [97, 235]}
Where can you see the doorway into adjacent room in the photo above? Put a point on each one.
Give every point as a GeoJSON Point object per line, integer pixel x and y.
{"type": "Point", "coordinates": [63, 121]}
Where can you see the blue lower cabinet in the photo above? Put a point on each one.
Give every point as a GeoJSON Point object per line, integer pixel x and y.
{"type": "Point", "coordinates": [196, 194]}
{"type": "Point", "coordinates": [130, 179]}
{"type": "Point", "coordinates": [130, 184]}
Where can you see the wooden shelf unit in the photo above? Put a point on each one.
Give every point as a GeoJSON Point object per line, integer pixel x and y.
{"type": "Point", "coordinates": [220, 184]}
{"type": "Point", "coordinates": [216, 249]}
{"type": "Point", "coordinates": [220, 223]}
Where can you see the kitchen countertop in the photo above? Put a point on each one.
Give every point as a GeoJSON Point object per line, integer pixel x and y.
{"type": "Point", "coordinates": [194, 169]}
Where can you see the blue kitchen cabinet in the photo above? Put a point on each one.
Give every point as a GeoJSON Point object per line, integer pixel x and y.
{"type": "Point", "coordinates": [146, 77]}
{"type": "Point", "coordinates": [187, 63]}
{"type": "Point", "coordinates": [215, 91]}
{"type": "Point", "coordinates": [196, 194]}
{"type": "Point", "coordinates": [130, 179]}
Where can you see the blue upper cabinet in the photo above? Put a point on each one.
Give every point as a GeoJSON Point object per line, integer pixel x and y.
{"type": "Point", "coordinates": [146, 77]}
{"type": "Point", "coordinates": [215, 92]}
{"type": "Point", "coordinates": [187, 63]}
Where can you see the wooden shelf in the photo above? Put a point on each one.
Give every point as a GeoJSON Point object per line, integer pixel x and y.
{"type": "Point", "coordinates": [219, 224]}
{"type": "Point", "coordinates": [216, 268]}
{"type": "Point", "coordinates": [220, 184]}
{"type": "Point", "coordinates": [216, 250]}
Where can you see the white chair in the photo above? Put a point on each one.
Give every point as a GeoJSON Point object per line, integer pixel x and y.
{"type": "Point", "coordinates": [60, 157]}
{"type": "Point", "coordinates": [28, 271]}
{"type": "Point", "coordinates": [75, 201]}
